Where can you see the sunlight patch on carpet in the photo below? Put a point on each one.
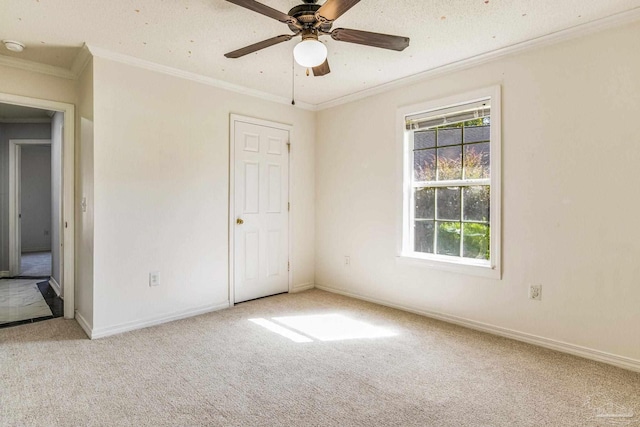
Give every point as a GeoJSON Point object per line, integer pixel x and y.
{"type": "Point", "coordinates": [323, 327]}
{"type": "Point", "coordinates": [334, 327]}
{"type": "Point", "coordinates": [293, 336]}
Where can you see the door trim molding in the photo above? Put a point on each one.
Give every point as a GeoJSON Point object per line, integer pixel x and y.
{"type": "Point", "coordinates": [233, 118]}
{"type": "Point", "coordinates": [68, 189]}
{"type": "Point", "coordinates": [15, 167]}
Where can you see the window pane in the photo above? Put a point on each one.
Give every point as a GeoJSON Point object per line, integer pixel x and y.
{"type": "Point", "coordinates": [425, 203]}
{"type": "Point", "coordinates": [449, 163]}
{"type": "Point", "coordinates": [476, 241]}
{"type": "Point", "coordinates": [477, 133]}
{"type": "Point", "coordinates": [477, 162]}
{"type": "Point", "coordinates": [449, 238]}
{"type": "Point", "coordinates": [424, 139]}
{"type": "Point", "coordinates": [450, 136]}
{"type": "Point", "coordinates": [450, 187]}
{"type": "Point", "coordinates": [424, 236]}
{"type": "Point", "coordinates": [476, 203]}
{"type": "Point", "coordinates": [424, 165]}
{"type": "Point", "coordinates": [449, 203]}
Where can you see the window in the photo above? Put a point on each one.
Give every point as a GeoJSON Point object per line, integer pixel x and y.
{"type": "Point", "coordinates": [451, 165]}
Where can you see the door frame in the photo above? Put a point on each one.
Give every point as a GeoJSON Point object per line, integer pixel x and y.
{"type": "Point", "coordinates": [67, 237]}
{"type": "Point", "coordinates": [233, 119]}
{"type": "Point", "coordinates": [15, 192]}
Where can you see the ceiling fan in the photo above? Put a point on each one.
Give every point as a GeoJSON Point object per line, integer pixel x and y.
{"type": "Point", "coordinates": [311, 21]}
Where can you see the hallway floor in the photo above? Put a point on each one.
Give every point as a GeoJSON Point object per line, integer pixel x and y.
{"type": "Point", "coordinates": [27, 301]}
{"type": "Point", "coordinates": [36, 264]}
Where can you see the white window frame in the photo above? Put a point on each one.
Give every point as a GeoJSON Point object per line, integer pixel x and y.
{"type": "Point", "coordinates": [406, 253]}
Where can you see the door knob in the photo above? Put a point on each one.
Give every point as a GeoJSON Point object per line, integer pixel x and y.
{"type": "Point", "coordinates": [239, 221]}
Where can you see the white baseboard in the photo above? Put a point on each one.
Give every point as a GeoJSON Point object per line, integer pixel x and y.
{"type": "Point", "coordinates": [5, 274]}
{"type": "Point", "coordinates": [156, 320]}
{"type": "Point", "coordinates": [576, 350]}
{"type": "Point", "coordinates": [302, 287]}
{"type": "Point", "coordinates": [83, 324]}
{"type": "Point", "coordinates": [55, 286]}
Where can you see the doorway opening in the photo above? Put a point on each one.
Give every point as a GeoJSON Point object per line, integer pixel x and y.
{"type": "Point", "coordinates": [34, 203]}
{"type": "Point", "coordinates": [36, 210]}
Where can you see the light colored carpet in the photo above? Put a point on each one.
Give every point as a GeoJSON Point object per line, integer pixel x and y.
{"type": "Point", "coordinates": [21, 300]}
{"type": "Point", "coordinates": [36, 264]}
{"type": "Point", "coordinates": [223, 369]}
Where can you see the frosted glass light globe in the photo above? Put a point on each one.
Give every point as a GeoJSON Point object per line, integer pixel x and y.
{"type": "Point", "coordinates": [310, 53]}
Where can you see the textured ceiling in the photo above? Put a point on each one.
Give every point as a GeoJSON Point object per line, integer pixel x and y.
{"type": "Point", "coordinates": [193, 35]}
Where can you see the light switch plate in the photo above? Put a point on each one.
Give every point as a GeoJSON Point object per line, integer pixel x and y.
{"type": "Point", "coordinates": [154, 278]}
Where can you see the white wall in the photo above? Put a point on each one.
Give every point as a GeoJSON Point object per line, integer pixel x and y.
{"type": "Point", "coordinates": [161, 176]}
{"type": "Point", "coordinates": [35, 198]}
{"type": "Point", "coordinates": [570, 155]}
{"type": "Point", "coordinates": [56, 193]}
{"type": "Point", "coordinates": [84, 188]}
{"type": "Point", "coordinates": [12, 131]}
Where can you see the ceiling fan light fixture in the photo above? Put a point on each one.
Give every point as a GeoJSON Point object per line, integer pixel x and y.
{"type": "Point", "coordinates": [310, 53]}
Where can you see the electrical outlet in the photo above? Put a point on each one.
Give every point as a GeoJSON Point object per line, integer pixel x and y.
{"type": "Point", "coordinates": [535, 292]}
{"type": "Point", "coordinates": [347, 260]}
{"type": "Point", "coordinates": [154, 278]}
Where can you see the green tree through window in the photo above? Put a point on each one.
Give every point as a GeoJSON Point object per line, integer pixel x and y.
{"type": "Point", "coordinates": [451, 191]}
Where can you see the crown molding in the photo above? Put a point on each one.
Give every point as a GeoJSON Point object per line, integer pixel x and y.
{"type": "Point", "coordinates": [36, 67]}
{"type": "Point", "coordinates": [187, 75]}
{"type": "Point", "coordinates": [79, 63]}
{"type": "Point", "coordinates": [577, 31]}
{"type": "Point", "coordinates": [82, 59]}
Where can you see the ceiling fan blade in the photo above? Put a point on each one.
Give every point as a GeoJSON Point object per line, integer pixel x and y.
{"type": "Point", "coordinates": [384, 41]}
{"type": "Point", "coordinates": [257, 46]}
{"type": "Point", "coordinates": [322, 69]}
{"type": "Point", "coordinates": [333, 9]}
{"type": "Point", "coordinates": [264, 9]}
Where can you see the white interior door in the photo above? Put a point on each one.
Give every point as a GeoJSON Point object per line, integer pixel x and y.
{"type": "Point", "coordinates": [261, 235]}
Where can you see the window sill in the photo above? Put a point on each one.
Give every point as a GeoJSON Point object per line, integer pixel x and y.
{"type": "Point", "coordinates": [462, 266]}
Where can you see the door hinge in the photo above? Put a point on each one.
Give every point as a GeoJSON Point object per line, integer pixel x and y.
{"type": "Point", "coordinates": [289, 147]}
{"type": "Point", "coordinates": [288, 206]}
{"type": "Point", "coordinates": [288, 266]}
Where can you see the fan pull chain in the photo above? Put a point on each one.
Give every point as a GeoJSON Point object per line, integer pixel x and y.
{"type": "Point", "coordinates": [293, 81]}
{"type": "Point", "coordinates": [307, 72]}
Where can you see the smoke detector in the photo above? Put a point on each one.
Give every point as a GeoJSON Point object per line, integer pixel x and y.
{"type": "Point", "coordinates": [13, 46]}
